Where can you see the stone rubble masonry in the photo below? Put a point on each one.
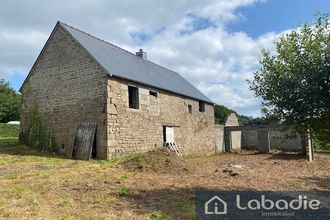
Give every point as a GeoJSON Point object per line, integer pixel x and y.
{"type": "Point", "coordinates": [131, 130]}
{"type": "Point", "coordinates": [68, 87]}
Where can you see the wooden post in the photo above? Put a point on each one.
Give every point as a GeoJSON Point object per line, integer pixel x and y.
{"type": "Point", "coordinates": [309, 147]}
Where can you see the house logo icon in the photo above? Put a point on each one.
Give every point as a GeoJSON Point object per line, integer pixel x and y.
{"type": "Point", "coordinates": [215, 206]}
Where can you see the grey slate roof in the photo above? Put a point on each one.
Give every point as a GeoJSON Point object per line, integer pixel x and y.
{"type": "Point", "coordinates": [123, 64]}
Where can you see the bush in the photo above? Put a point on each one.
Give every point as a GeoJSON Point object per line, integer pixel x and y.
{"type": "Point", "coordinates": [9, 130]}
{"type": "Point", "coordinates": [322, 143]}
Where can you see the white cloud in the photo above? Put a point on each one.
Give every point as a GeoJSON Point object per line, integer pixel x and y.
{"type": "Point", "coordinates": [217, 61]}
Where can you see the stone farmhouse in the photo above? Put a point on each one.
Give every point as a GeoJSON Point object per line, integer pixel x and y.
{"type": "Point", "coordinates": [136, 104]}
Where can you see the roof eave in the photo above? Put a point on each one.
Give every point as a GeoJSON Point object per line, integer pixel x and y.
{"type": "Point", "coordinates": [164, 89]}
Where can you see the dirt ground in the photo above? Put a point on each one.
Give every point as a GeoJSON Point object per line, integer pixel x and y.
{"type": "Point", "coordinates": [47, 187]}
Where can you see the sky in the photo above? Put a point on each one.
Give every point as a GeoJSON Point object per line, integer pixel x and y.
{"type": "Point", "coordinates": [214, 44]}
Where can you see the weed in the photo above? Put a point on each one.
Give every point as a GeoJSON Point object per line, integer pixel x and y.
{"type": "Point", "coordinates": [33, 202]}
{"type": "Point", "coordinates": [157, 215]}
{"type": "Point", "coordinates": [68, 217]}
{"type": "Point", "coordinates": [36, 135]}
{"type": "Point", "coordinates": [65, 202]}
{"type": "Point", "coordinates": [124, 191]}
{"type": "Point", "coordinates": [17, 190]}
{"type": "Point", "coordinates": [122, 178]}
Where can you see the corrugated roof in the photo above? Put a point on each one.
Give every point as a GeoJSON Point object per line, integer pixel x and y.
{"type": "Point", "coordinates": [123, 64]}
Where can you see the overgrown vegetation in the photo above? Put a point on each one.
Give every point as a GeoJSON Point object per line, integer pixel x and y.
{"type": "Point", "coordinates": [322, 143]}
{"type": "Point", "coordinates": [35, 135]}
{"type": "Point", "coordinates": [10, 102]}
{"type": "Point", "coordinates": [9, 131]}
{"type": "Point", "coordinates": [221, 114]}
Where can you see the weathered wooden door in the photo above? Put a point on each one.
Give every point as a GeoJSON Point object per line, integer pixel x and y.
{"type": "Point", "coordinates": [84, 140]}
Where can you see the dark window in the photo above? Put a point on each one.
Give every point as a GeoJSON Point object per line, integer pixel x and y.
{"type": "Point", "coordinates": [153, 93]}
{"type": "Point", "coordinates": [190, 108]}
{"type": "Point", "coordinates": [201, 106]}
{"type": "Point", "coordinates": [133, 97]}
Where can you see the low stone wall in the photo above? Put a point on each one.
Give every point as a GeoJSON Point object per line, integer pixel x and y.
{"type": "Point", "coordinates": [256, 137]}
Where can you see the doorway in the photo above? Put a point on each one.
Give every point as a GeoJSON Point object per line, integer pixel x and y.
{"type": "Point", "coordinates": [168, 134]}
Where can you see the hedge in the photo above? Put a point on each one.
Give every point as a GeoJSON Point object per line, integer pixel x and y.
{"type": "Point", "coordinates": [7, 130]}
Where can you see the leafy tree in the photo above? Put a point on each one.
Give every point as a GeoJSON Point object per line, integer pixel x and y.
{"type": "Point", "coordinates": [244, 120]}
{"type": "Point", "coordinates": [9, 103]}
{"type": "Point", "coordinates": [294, 83]}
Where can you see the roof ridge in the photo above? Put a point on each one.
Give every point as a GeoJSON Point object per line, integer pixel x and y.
{"type": "Point", "coordinates": [60, 22]}
{"type": "Point", "coordinates": [199, 95]}
{"type": "Point", "coordinates": [84, 32]}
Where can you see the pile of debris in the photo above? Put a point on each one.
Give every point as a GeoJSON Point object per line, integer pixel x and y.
{"type": "Point", "coordinates": [160, 160]}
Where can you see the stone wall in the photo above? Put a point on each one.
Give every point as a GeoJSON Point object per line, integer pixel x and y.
{"type": "Point", "coordinates": [131, 130]}
{"type": "Point", "coordinates": [67, 88]}
{"type": "Point", "coordinates": [278, 139]}
{"type": "Point", "coordinates": [219, 138]}
{"type": "Point", "coordinates": [235, 136]}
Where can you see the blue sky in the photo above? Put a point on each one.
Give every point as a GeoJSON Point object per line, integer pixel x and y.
{"type": "Point", "coordinates": [278, 15]}
{"type": "Point", "coordinates": [215, 44]}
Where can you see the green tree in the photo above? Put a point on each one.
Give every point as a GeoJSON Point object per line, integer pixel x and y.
{"type": "Point", "coordinates": [10, 102]}
{"type": "Point", "coordinates": [294, 83]}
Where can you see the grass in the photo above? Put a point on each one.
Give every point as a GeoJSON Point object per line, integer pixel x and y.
{"type": "Point", "coordinates": [17, 190]}
{"type": "Point", "coordinates": [8, 131]}
{"type": "Point", "coordinates": [157, 215]}
{"type": "Point", "coordinates": [187, 208]}
{"type": "Point", "coordinates": [65, 202]}
{"type": "Point", "coordinates": [36, 185]}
